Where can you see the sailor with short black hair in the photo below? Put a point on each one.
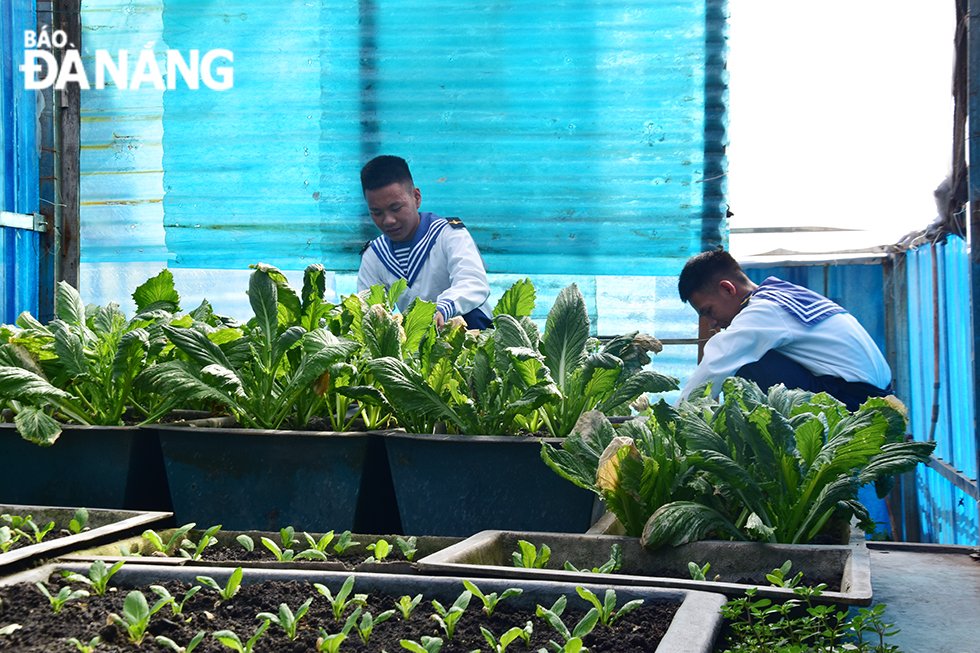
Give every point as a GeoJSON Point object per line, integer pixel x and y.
{"type": "Point", "coordinates": [436, 256]}
{"type": "Point", "coordinates": [778, 332]}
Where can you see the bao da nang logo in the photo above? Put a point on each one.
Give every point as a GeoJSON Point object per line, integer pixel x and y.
{"type": "Point", "coordinates": [124, 69]}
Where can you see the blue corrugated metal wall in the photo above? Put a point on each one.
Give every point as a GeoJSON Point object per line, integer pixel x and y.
{"type": "Point", "coordinates": [573, 141]}
{"type": "Point", "coordinates": [18, 164]}
{"type": "Point", "coordinates": [948, 515]}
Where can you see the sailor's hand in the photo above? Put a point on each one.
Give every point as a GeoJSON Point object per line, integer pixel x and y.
{"type": "Point", "coordinates": [440, 320]}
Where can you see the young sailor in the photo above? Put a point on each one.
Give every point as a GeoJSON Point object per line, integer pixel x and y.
{"type": "Point", "coordinates": [778, 332]}
{"type": "Point", "coordinates": [435, 255]}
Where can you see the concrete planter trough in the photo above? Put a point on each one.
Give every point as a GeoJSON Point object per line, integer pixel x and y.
{"type": "Point", "coordinates": [693, 629]}
{"type": "Point", "coordinates": [102, 525]}
{"type": "Point", "coordinates": [739, 565]}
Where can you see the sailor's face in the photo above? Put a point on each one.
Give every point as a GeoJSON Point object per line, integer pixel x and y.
{"type": "Point", "coordinates": [395, 209]}
{"type": "Point", "coordinates": [718, 305]}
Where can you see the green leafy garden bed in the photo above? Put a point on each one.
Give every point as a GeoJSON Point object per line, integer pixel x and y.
{"type": "Point", "coordinates": [221, 612]}
{"type": "Point", "coordinates": [301, 359]}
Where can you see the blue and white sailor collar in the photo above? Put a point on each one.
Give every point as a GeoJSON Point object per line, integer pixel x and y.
{"type": "Point", "coordinates": [808, 307]}
{"type": "Point", "coordinates": [405, 259]}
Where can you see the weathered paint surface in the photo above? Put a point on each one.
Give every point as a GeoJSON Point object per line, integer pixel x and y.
{"type": "Point", "coordinates": [18, 165]}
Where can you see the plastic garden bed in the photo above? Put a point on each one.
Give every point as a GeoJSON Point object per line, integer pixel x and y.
{"type": "Point", "coordinates": [463, 484]}
{"type": "Point", "coordinates": [102, 524]}
{"type": "Point", "coordinates": [229, 553]}
{"type": "Point", "coordinates": [692, 628]}
{"type": "Point", "coordinates": [740, 565]}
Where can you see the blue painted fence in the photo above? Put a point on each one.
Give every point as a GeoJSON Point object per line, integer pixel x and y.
{"type": "Point", "coordinates": [18, 164]}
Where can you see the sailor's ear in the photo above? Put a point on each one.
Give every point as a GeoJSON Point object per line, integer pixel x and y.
{"type": "Point", "coordinates": [726, 287]}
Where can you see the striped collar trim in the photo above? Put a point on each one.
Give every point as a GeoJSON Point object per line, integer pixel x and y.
{"type": "Point", "coordinates": [802, 303]}
{"type": "Point", "coordinates": [420, 252]}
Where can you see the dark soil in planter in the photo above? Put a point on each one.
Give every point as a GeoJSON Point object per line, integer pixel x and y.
{"type": "Point", "coordinates": [832, 582]}
{"type": "Point", "coordinates": [348, 559]}
{"type": "Point", "coordinates": [44, 631]}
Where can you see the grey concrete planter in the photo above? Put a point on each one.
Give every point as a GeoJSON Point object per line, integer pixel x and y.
{"type": "Point", "coordinates": [740, 564]}
{"type": "Point", "coordinates": [102, 525]}
{"type": "Point", "coordinates": [693, 630]}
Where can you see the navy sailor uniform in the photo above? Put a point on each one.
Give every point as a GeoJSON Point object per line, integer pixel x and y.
{"type": "Point", "coordinates": [441, 264]}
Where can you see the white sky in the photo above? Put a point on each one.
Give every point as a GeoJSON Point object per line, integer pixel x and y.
{"type": "Point", "coordinates": [840, 116]}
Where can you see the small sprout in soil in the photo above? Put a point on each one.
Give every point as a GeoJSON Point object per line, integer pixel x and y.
{"type": "Point", "coordinates": [287, 535]}
{"type": "Point", "coordinates": [610, 566]}
{"type": "Point", "coordinates": [448, 618]}
{"type": "Point", "coordinates": [285, 618]}
{"type": "Point", "coordinates": [344, 541]}
{"type": "Point", "coordinates": [9, 629]}
{"type": "Point", "coordinates": [574, 645]}
{"type": "Point", "coordinates": [64, 595]}
{"type": "Point", "coordinates": [168, 643]}
{"type": "Point", "coordinates": [428, 645]}
{"type": "Point", "coordinates": [407, 604]}
{"type": "Point", "coordinates": [230, 639]}
{"type": "Point", "coordinates": [529, 557]}
{"type": "Point", "coordinates": [328, 643]}
{"type": "Point", "coordinates": [499, 646]}
{"type": "Point", "coordinates": [319, 545]}
{"type": "Point", "coordinates": [168, 548]}
{"type": "Point", "coordinates": [379, 551]}
{"type": "Point", "coordinates": [553, 614]}
{"type": "Point", "coordinates": [176, 607]}
{"type": "Point", "coordinates": [25, 527]}
{"type": "Point", "coordinates": [491, 600]}
{"type": "Point", "coordinates": [230, 589]}
{"type": "Point", "coordinates": [7, 539]}
{"type": "Point", "coordinates": [778, 576]}
{"type": "Point", "coordinates": [84, 647]}
{"type": "Point", "coordinates": [700, 573]}
{"type": "Point", "coordinates": [194, 551]}
{"type": "Point", "coordinates": [136, 615]}
{"type": "Point", "coordinates": [408, 546]}
{"type": "Point", "coordinates": [98, 576]}
{"type": "Point", "coordinates": [365, 625]}
{"type": "Point", "coordinates": [79, 522]}
{"type": "Point", "coordinates": [288, 555]}
{"type": "Point", "coordinates": [343, 600]}
{"type": "Point", "coordinates": [246, 541]}
{"type": "Point", "coordinates": [608, 614]}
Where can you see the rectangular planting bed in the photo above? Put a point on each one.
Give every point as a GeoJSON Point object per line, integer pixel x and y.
{"type": "Point", "coordinates": [668, 621]}
{"type": "Point", "coordinates": [228, 551]}
{"type": "Point", "coordinates": [738, 565]}
{"type": "Point", "coordinates": [101, 525]}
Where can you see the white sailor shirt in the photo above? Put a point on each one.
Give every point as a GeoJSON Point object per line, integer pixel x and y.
{"type": "Point", "coordinates": [833, 344]}
{"type": "Point", "coordinates": [441, 264]}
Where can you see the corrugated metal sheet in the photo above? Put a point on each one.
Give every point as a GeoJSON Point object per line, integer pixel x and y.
{"type": "Point", "coordinates": [948, 515]}
{"type": "Point", "coordinates": [18, 164]}
{"type": "Point", "coordinates": [573, 139]}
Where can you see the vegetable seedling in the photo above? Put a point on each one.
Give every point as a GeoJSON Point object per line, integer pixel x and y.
{"type": "Point", "coordinates": [79, 522]}
{"type": "Point", "coordinates": [64, 595]}
{"type": "Point", "coordinates": [229, 639]}
{"type": "Point", "coordinates": [379, 551]}
{"type": "Point", "coordinates": [365, 625]}
{"type": "Point", "coordinates": [230, 589]}
{"type": "Point", "coordinates": [553, 614]}
{"type": "Point", "coordinates": [428, 645]}
{"type": "Point", "coordinates": [288, 555]}
{"type": "Point", "coordinates": [699, 573]}
{"type": "Point", "coordinates": [168, 548]}
{"type": "Point", "coordinates": [166, 642]}
{"type": "Point", "coordinates": [408, 546]}
{"type": "Point", "coordinates": [343, 599]}
{"type": "Point", "coordinates": [500, 646]}
{"type": "Point", "coordinates": [135, 618]}
{"type": "Point", "coordinates": [246, 541]}
{"type": "Point", "coordinates": [448, 618]}
{"type": "Point", "coordinates": [778, 576]}
{"type": "Point", "coordinates": [491, 600]}
{"type": "Point", "coordinates": [176, 607]}
{"type": "Point", "coordinates": [287, 535]}
{"type": "Point", "coordinates": [407, 604]}
{"type": "Point", "coordinates": [285, 618]}
{"type": "Point", "coordinates": [194, 551]}
{"type": "Point", "coordinates": [608, 614]}
{"type": "Point", "coordinates": [85, 647]}
{"type": "Point", "coordinates": [98, 576]}
{"type": "Point", "coordinates": [344, 541]}
{"type": "Point", "coordinates": [530, 557]}
{"type": "Point", "coordinates": [26, 527]}
{"type": "Point", "coordinates": [328, 643]}
{"type": "Point", "coordinates": [319, 544]}
{"type": "Point", "coordinates": [7, 539]}
{"type": "Point", "coordinates": [613, 564]}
